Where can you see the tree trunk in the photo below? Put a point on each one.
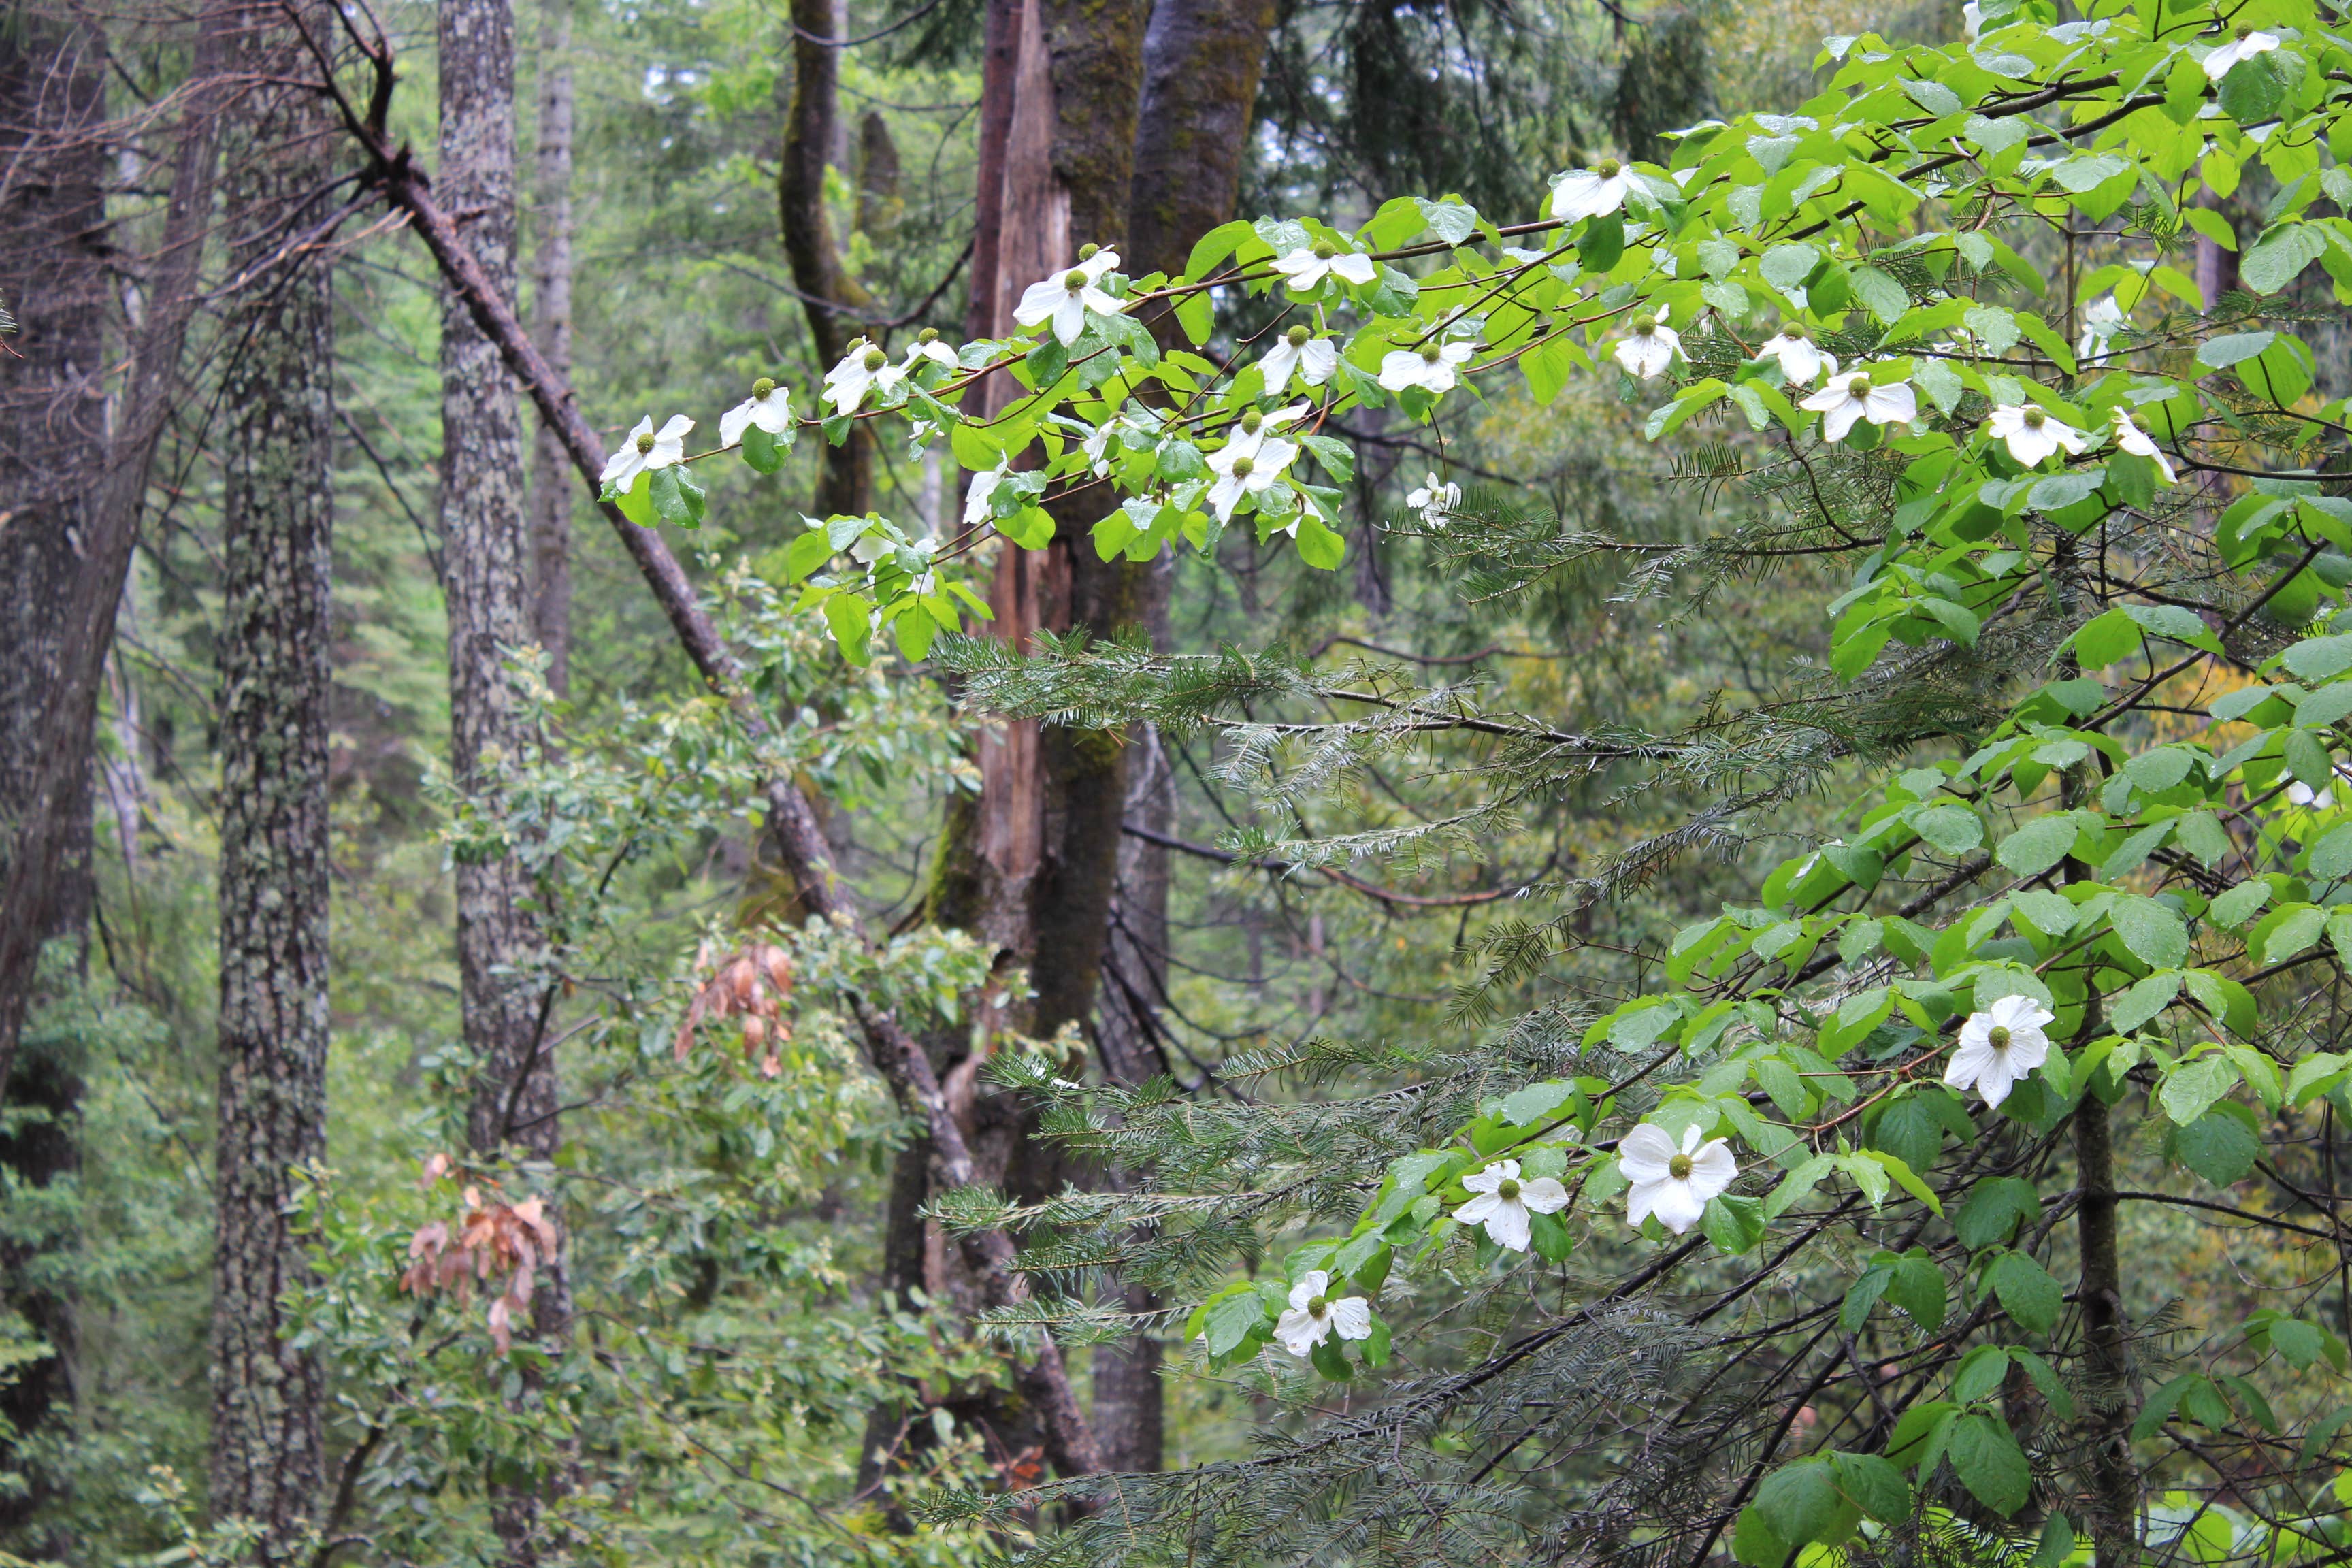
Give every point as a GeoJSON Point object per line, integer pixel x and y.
{"type": "Point", "coordinates": [52, 448]}
{"type": "Point", "coordinates": [515, 1093]}
{"type": "Point", "coordinates": [277, 394]}
{"type": "Point", "coordinates": [1202, 63]}
{"type": "Point", "coordinates": [551, 489]}
{"type": "Point", "coordinates": [833, 301]}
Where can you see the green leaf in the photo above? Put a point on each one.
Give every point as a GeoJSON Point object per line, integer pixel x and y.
{"type": "Point", "coordinates": [849, 615]}
{"type": "Point", "coordinates": [1331, 1362]}
{"type": "Point", "coordinates": [1917, 1286]}
{"type": "Point", "coordinates": [1981, 1373]}
{"type": "Point", "coordinates": [1320, 547]}
{"type": "Point", "coordinates": [1993, 1210]}
{"type": "Point", "coordinates": [762, 453]}
{"type": "Point", "coordinates": [1601, 244]}
{"type": "Point", "coordinates": [1990, 1463]}
{"type": "Point", "coordinates": [2279, 255]}
{"type": "Point", "coordinates": [2039, 844]}
{"type": "Point", "coordinates": [2152, 931]}
{"type": "Point", "coordinates": [1234, 1320]}
{"type": "Point", "coordinates": [637, 502]}
{"type": "Point", "coordinates": [1874, 1486]}
{"type": "Point", "coordinates": [806, 553]}
{"type": "Point", "coordinates": [2027, 1292]}
{"type": "Point", "coordinates": [2190, 1088]}
{"type": "Point", "coordinates": [1952, 829]}
{"type": "Point", "coordinates": [1734, 1225]}
{"type": "Point", "coordinates": [2144, 1000]}
{"type": "Point", "coordinates": [1197, 316]}
{"type": "Point", "coordinates": [1800, 1501]}
{"type": "Point", "coordinates": [2218, 1145]}
{"type": "Point", "coordinates": [2103, 639]}
{"type": "Point", "coordinates": [2318, 658]}
{"type": "Point", "coordinates": [1211, 248]}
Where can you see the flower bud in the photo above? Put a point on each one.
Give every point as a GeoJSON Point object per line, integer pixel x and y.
{"type": "Point", "coordinates": [761, 387]}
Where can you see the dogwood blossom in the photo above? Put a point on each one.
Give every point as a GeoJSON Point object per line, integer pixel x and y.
{"type": "Point", "coordinates": [2031, 435]}
{"type": "Point", "coordinates": [1504, 1203]}
{"type": "Point", "coordinates": [1799, 358]}
{"type": "Point", "coordinates": [1650, 347]}
{"type": "Point", "coordinates": [1675, 1184]}
{"type": "Point", "coordinates": [1435, 502]}
{"type": "Point", "coordinates": [1840, 403]}
{"type": "Point", "coordinates": [2102, 319]}
{"type": "Point", "coordinates": [2245, 45]}
{"type": "Point", "coordinates": [1248, 472]}
{"type": "Point", "coordinates": [1299, 352]}
{"type": "Point", "coordinates": [1067, 297]}
{"type": "Point", "coordinates": [864, 368]}
{"type": "Point", "coordinates": [1430, 367]}
{"type": "Point", "coordinates": [1305, 269]}
{"type": "Point", "coordinates": [768, 407]}
{"type": "Point", "coordinates": [1315, 1317]}
{"type": "Point", "coordinates": [927, 347]}
{"type": "Point", "coordinates": [980, 497]}
{"type": "Point", "coordinates": [1973, 20]}
{"type": "Point", "coordinates": [2301, 794]}
{"type": "Point", "coordinates": [1998, 1046]}
{"type": "Point", "coordinates": [2131, 438]}
{"type": "Point", "coordinates": [645, 451]}
{"type": "Point", "coordinates": [1257, 427]}
{"type": "Point", "coordinates": [1589, 193]}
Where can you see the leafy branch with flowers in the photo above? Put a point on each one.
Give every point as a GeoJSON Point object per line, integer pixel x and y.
{"type": "Point", "coordinates": [1810, 1244]}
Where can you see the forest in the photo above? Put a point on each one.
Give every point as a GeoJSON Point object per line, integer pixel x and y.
{"type": "Point", "coordinates": [1175, 782]}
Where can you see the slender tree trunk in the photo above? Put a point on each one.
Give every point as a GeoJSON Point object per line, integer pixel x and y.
{"type": "Point", "coordinates": [53, 277]}
{"type": "Point", "coordinates": [277, 394]}
{"type": "Point", "coordinates": [515, 1094]}
{"type": "Point", "coordinates": [833, 298]}
{"type": "Point", "coordinates": [2106, 1365]}
{"type": "Point", "coordinates": [551, 489]}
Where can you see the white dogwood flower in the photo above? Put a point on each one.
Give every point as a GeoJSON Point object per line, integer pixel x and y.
{"type": "Point", "coordinates": [1435, 502]}
{"type": "Point", "coordinates": [2140, 444]}
{"type": "Point", "coordinates": [1067, 297]}
{"type": "Point", "coordinates": [1588, 193]}
{"type": "Point", "coordinates": [1299, 352]}
{"type": "Point", "coordinates": [645, 451]}
{"type": "Point", "coordinates": [768, 407]}
{"type": "Point", "coordinates": [1504, 1203]}
{"type": "Point", "coordinates": [1245, 472]}
{"type": "Point", "coordinates": [1973, 20]}
{"type": "Point", "coordinates": [1840, 403]}
{"type": "Point", "coordinates": [1675, 1184]}
{"type": "Point", "coordinates": [927, 346]}
{"type": "Point", "coordinates": [864, 368]}
{"type": "Point", "coordinates": [2301, 794]}
{"type": "Point", "coordinates": [2102, 319]}
{"type": "Point", "coordinates": [1430, 367]}
{"type": "Point", "coordinates": [1305, 267]}
{"type": "Point", "coordinates": [1801, 359]}
{"type": "Point", "coordinates": [2245, 45]}
{"type": "Point", "coordinates": [1998, 1046]}
{"type": "Point", "coordinates": [1315, 1317]}
{"type": "Point", "coordinates": [1255, 428]}
{"type": "Point", "coordinates": [980, 497]}
{"type": "Point", "coordinates": [1650, 347]}
{"type": "Point", "coordinates": [2030, 433]}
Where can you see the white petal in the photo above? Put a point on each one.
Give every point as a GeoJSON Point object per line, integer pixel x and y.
{"type": "Point", "coordinates": [1713, 1169]}
{"type": "Point", "coordinates": [1351, 1318]}
{"type": "Point", "coordinates": [1643, 1153]}
{"type": "Point", "coordinates": [1544, 1196]}
{"type": "Point", "coordinates": [675, 430]}
{"type": "Point", "coordinates": [1508, 1225]}
{"type": "Point", "coordinates": [1888, 405]}
{"type": "Point", "coordinates": [1969, 1063]}
{"type": "Point", "coordinates": [1839, 418]}
{"type": "Point", "coordinates": [1069, 319]}
{"type": "Point", "coordinates": [1995, 1082]}
{"type": "Point", "coordinates": [2028, 1050]}
{"type": "Point", "coordinates": [1311, 1284]}
{"type": "Point", "coordinates": [1355, 266]}
{"type": "Point", "coordinates": [1401, 368]}
{"type": "Point", "coordinates": [1478, 1209]}
{"type": "Point", "coordinates": [1299, 1333]}
{"type": "Point", "coordinates": [733, 422]}
{"type": "Point", "coordinates": [1317, 360]}
{"type": "Point", "coordinates": [1677, 1205]}
{"type": "Point", "coordinates": [1275, 367]}
{"type": "Point", "coordinates": [1039, 302]}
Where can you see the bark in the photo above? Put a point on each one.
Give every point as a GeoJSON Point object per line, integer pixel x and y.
{"type": "Point", "coordinates": [277, 394]}
{"type": "Point", "coordinates": [835, 302]}
{"type": "Point", "coordinates": [2106, 1363]}
{"type": "Point", "coordinates": [505, 1005]}
{"type": "Point", "coordinates": [52, 448]}
{"type": "Point", "coordinates": [808, 859]}
{"type": "Point", "coordinates": [1202, 63]}
{"type": "Point", "coordinates": [550, 482]}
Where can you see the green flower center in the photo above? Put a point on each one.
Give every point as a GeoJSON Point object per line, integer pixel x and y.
{"type": "Point", "coordinates": [1316, 1306]}
{"type": "Point", "coordinates": [875, 359]}
{"type": "Point", "coordinates": [1679, 1167]}
{"type": "Point", "coordinates": [1251, 421]}
{"type": "Point", "coordinates": [1646, 326]}
{"type": "Point", "coordinates": [1074, 280]}
{"type": "Point", "coordinates": [761, 387]}
{"type": "Point", "coordinates": [1429, 354]}
{"type": "Point", "coordinates": [1608, 168]}
{"type": "Point", "coordinates": [1998, 1039]}
{"type": "Point", "coordinates": [1241, 467]}
{"type": "Point", "coordinates": [645, 442]}
{"type": "Point", "coordinates": [1859, 386]}
{"type": "Point", "coordinates": [2245, 32]}
{"type": "Point", "coordinates": [1507, 1190]}
{"type": "Point", "coordinates": [1324, 251]}
{"type": "Point", "coordinates": [1296, 337]}
{"type": "Point", "coordinates": [928, 335]}
{"type": "Point", "coordinates": [1793, 331]}
{"type": "Point", "coordinates": [2035, 418]}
